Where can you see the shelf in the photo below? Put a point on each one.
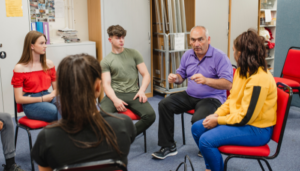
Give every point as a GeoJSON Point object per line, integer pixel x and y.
{"type": "Point", "coordinates": [267, 26]}
{"type": "Point", "coordinates": [269, 58]}
{"type": "Point", "coordinates": [273, 10]}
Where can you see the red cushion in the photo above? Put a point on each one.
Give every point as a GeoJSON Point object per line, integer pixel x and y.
{"type": "Point", "coordinates": [263, 151]}
{"type": "Point", "coordinates": [288, 82]}
{"type": "Point", "coordinates": [290, 68]}
{"type": "Point", "coordinates": [132, 115]}
{"type": "Point", "coordinates": [33, 124]}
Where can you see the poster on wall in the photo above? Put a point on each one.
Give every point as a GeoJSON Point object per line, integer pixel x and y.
{"type": "Point", "coordinates": [42, 10]}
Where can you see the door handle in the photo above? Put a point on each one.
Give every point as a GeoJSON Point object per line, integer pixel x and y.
{"type": "Point", "coordinates": [2, 55]}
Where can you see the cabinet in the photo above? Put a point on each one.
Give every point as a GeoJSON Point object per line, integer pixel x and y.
{"type": "Point", "coordinates": [268, 8]}
{"type": "Point", "coordinates": [56, 52]}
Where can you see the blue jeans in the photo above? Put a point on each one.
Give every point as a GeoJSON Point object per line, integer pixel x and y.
{"type": "Point", "coordinates": [45, 111]}
{"type": "Point", "coordinates": [208, 140]}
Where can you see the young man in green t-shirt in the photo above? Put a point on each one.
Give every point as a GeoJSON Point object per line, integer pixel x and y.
{"type": "Point", "coordinates": [120, 80]}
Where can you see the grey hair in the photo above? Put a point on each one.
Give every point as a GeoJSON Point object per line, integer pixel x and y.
{"type": "Point", "coordinates": [206, 31]}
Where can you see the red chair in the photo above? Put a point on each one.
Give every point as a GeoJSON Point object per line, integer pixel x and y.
{"type": "Point", "coordinates": [134, 117]}
{"type": "Point", "coordinates": [262, 152]}
{"type": "Point", "coordinates": [27, 124]}
{"type": "Point", "coordinates": [192, 111]}
{"type": "Point", "coordinates": [290, 75]}
{"type": "Point", "coordinates": [109, 164]}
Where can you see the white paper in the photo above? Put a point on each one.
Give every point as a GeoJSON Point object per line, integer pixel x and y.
{"type": "Point", "coordinates": [46, 31]}
{"type": "Point", "coordinates": [268, 17]}
{"type": "Point", "coordinates": [33, 27]}
{"type": "Point", "coordinates": [179, 41]}
{"type": "Point", "coordinates": [59, 9]}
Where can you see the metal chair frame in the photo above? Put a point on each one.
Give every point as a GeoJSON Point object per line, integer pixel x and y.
{"type": "Point", "coordinates": [106, 165]}
{"type": "Point", "coordinates": [258, 158]}
{"type": "Point", "coordinates": [27, 129]}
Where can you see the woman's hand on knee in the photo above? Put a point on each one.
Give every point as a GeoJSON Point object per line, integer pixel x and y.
{"type": "Point", "coordinates": [210, 121]}
{"type": "Point", "coordinates": [48, 97]}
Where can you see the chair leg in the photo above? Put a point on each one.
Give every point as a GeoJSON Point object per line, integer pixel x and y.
{"type": "Point", "coordinates": [261, 166]}
{"type": "Point", "coordinates": [183, 131]}
{"type": "Point", "coordinates": [16, 135]}
{"type": "Point", "coordinates": [226, 161]}
{"type": "Point", "coordinates": [30, 147]}
{"type": "Point", "coordinates": [145, 141]}
{"type": "Point", "coordinates": [269, 167]}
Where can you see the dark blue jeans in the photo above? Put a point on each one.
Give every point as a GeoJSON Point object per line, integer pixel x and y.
{"type": "Point", "coordinates": [45, 111]}
{"type": "Point", "coordinates": [208, 140]}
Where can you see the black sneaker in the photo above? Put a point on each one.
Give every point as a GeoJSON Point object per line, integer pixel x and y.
{"type": "Point", "coordinates": [199, 154]}
{"type": "Point", "coordinates": [13, 167]}
{"type": "Point", "coordinates": [165, 152]}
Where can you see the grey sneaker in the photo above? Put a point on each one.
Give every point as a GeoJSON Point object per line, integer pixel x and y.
{"type": "Point", "coordinates": [14, 167]}
{"type": "Point", "coordinates": [165, 152]}
{"type": "Point", "coordinates": [199, 154]}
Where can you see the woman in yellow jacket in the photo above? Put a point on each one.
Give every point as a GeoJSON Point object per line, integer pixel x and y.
{"type": "Point", "coordinates": [249, 114]}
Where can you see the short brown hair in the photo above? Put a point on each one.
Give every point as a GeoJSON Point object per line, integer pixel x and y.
{"type": "Point", "coordinates": [253, 52]}
{"type": "Point", "coordinates": [116, 30]}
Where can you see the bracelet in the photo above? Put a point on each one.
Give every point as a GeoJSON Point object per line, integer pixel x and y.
{"type": "Point", "coordinates": [42, 98]}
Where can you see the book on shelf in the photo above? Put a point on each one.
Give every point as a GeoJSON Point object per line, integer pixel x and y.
{"type": "Point", "coordinates": [39, 27]}
{"type": "Point", "coordinates": [46, 31]}
{"type": "Point", "coordinates": [33, 26]}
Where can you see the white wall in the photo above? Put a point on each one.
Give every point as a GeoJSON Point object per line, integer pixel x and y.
{"type": "Point", "coordinates": [215, 19]}
{"type": "Point", "coordinates": [81, 19]}
{"type": "Point", "coordinates": [134, 16]}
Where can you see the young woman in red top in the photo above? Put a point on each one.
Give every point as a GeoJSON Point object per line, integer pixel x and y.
{"type": "Point", "coordinates": [33, 75]}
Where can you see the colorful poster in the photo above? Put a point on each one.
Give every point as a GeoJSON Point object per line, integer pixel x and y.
{"type": "Point", "coordinates": [42, 10]}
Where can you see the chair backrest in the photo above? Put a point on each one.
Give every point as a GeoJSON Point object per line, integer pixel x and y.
{"type": "Point", "coordinates": [16, 109]}
{"type": "Point", "coordinates": [234, 69]}
{"type": "Point", "coordinates": [291, 64]}
{"type": "Point", "coordinates": [284, 99]}
{"type": "Point", "coordinates": [105, 165]}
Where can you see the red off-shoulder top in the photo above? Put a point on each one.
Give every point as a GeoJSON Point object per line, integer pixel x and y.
{"type": "Point", "coordinates": [35, 81]}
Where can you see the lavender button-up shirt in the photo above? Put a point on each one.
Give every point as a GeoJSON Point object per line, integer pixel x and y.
{"type": "Point", "coordinates": [215, 64]}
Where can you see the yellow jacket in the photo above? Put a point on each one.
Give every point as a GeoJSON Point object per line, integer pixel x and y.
{"type": "Point", "coordinates": [252, 101]}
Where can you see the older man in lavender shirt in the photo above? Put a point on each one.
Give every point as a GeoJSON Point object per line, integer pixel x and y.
{"type": "Point", "coordinates": [209, 74]}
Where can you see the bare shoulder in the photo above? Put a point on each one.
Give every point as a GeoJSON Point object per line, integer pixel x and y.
{"type": "Point", "coordinates": [50, 64]}
{"type": "Point", "coordinates": [20, 68]}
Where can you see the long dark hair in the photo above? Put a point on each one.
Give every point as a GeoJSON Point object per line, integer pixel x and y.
{"type": "Point", "coordinates": [253, 53]}
{"type": "Point", "coordinates": [27, 56]}
{"type": "Point", "coordinates": [76, 77]}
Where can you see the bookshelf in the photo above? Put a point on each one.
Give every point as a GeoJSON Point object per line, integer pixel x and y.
{"type": "Point", "coordinates": [268, 7]}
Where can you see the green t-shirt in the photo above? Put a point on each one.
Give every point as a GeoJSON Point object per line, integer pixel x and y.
{"type": "Point", "coordinates": [123, 70]}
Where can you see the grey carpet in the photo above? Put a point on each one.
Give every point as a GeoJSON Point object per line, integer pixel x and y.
{"type": "Point", "coordinates": [140, 161]}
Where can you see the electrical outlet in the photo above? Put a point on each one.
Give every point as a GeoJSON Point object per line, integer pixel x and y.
{"type": "Point", "coordinates": [157, 71]}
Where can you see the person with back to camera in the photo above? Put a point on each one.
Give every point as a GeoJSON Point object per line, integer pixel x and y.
{"type": "Point", "coordinates": [120, 80]}
{"type": "Point", "coordinates": [249, 114]}
{"type": "Point", "coordinates": [83, 134]}
{"type": "Point", "coordinates": [8, 142]}
{"type": "Point", "coordinates": [33, 75]}
{"type": "Point", "coordinates": [209, 74]}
